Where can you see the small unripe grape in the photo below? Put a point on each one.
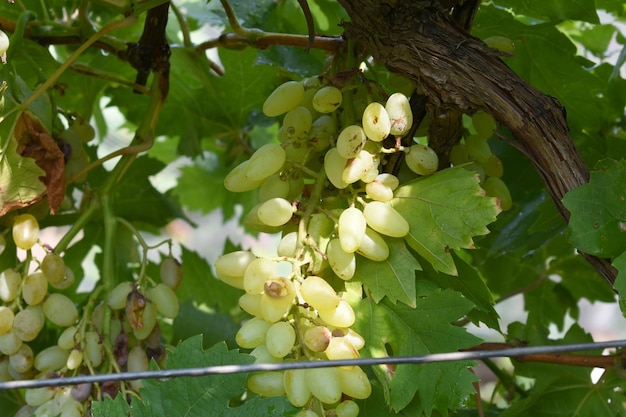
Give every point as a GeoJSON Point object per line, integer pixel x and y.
{"type": "Point", "coordinates": [284, 98]}
{"type": "Point", "coordinates": [318, 293]}
{"type": "Point", "coordinates": [93, 348]}
{"type": "Point", "coordinates": [341, 348]}
{"type": "Point", "coordinates": [357, 167]}
{"type": "Point", "coordinates": [237, 182]}
{"type": "Point", "coordinates": [373, 246]}
{"type": "Point", "coordinates": [350, 141]}
{"type": "Point", "coordinates": [484, 123]}
{"type": "Point", "coordinates": [275, 212]}
{"type": "Point", "coordinates": [324, 384]}
{"type": "Point", "coordinates": [347, 408]}
{"type": "Point", "coordinates": [251, 304]}
{"type": "Point", "coordinates": [376, 123]}
{"type": "Point", "coordinates": [354, 382]}
{"type": "Point", "coordinates": [118, 296]}
{"type": "Point", "coordinates": [6, 319]}
{"type": "Point", "coordinates": [385, 219]}
{"type": "Point", "coordinates": [317, 338]}
{"type": "Point", "coordinates": [493, 167]}
{"type": "Point", "coordinates": [265, 161]}
{"type": "Point", "coordinates": [296, 388]}
{"type": "Point", "coordinates": [297, 123]}
{"type": "Point", "coordinates": [171, 272]}
{"type": "Point", "coordinates": [351, 228]}
{"type": "Point", "coordinates": [165, 300]}
{"type": "Point", "coordinates": [28, 323]}
{"type": "Point", "coordinates": [400, 115]}
{"type": "Point", "coordinates": [51, 358]}
{"type": "Point", "coordinates": [22, 360]}
{"type": "Point", "coordinates": [274, 186]}
{"type": "Point", "coordinates": [257, 274]}
{"type": "Point", "coordinates": [495, 187]}
{"type": "Point", "coordinates": [10, 281]}
{"type": "Point", "coordinates": [478, 149]}
{"type": "Point", "coordinates": [267, 384]}
{"type": "Point", "coordinates": [341, 316]}
{"type": "Point", "coordinates": [38, 396]}
{"type": "Point", "coordinates": [53, 267]}
{"type": "Point", "coordinates": [342, 263]}
{"type": "Point", "coordinates": [334, 165]}
{"type": "Point", "coordinates": [252, 333]}
{"type": "Point", "coordinates": [231, 267]}
{"type": "Point", "coordinates": [25, 231]}
{"type": "Point", "coordinates": [34, 288]}
{"type": "Point", "coordinates": [9, 342]}
{"type": "Point", "coordinates": [83, 129]}
{"type": "Point", "coordinates": [501, 43]}
{"type": "Point", "coordinates": [60, 310]}
{"type": "Point", "coordinates": [280, 339]}
{"type": "Point", "coordinates": [459, 155]}
{"type": "Point", "coordinates": [327, 99]}
{"type": "Point", "coordinates": [4, 42]}
{"type": "Point", "coordinates": [422, 160]}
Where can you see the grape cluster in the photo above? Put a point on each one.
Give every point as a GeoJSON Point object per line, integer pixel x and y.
{"type": "Point", "coordinates": [323, 185]}
{"type": "Point", "coordinates": [476, 153]}
{"type": "Point", "coordinates": [31, 303]}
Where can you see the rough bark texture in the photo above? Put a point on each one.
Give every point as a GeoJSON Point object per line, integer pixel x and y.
{"type": "Point", "coordinates": [459, 72]}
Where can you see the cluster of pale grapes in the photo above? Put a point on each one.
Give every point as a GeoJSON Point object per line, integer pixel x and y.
{"type": "Point", "coordinates": [30, 304]}
{"type": "Point", "coordinates": [323, 186]}
{"type": "Point", "coordinates": [476, 153]}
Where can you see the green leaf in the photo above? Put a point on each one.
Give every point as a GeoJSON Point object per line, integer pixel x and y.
{"type": "Point", "coordinates": [399, 330]}
{"type": "Point", "coordinates": [110, 407]}
{"type": "Point", "coordinates": [554, 9]}
{"type": "Point", "coordinates": [393, 278]}
{"type": "Point", "coordinates": [445, 211]}
{"type": "Point", "coordinates": [199, 319]}
{"type": "Point", "coordinates": [620, 281]}
{"type": "Point", "coordinates": [598, 220]}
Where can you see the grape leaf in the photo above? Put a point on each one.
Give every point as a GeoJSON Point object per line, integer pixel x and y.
{"type": "Point", "coordinates": [393, 278]}
{"type": "Point", "coordinates": [598, 220]}
{"type": "Point", "coordinates": [417, 331]}
{"type": "Point", "coordinates": [620, 281]}
{"type": "Point", "coordinates": [444, 211]}
{"type": "Point", "coordinates": [554, 9]}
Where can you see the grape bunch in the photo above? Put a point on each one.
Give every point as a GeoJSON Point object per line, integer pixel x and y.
{"type": "Point", "coordinates": [90, 340]}
{"type": "Point", "coordinates": [324, 187]}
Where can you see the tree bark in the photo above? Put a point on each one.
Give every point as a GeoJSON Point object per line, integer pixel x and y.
{"type": "Point", "coordinates": [457, 71]}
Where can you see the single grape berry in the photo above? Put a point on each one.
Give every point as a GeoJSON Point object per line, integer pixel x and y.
{"type": "Point", "coordinates": [327, 99]}
{"type": "Point", "coordinates": [4, 45]}
{"type": "Point", "coordinates": [171, 272]}
{"type": "Point", "coordinates": [376, 123]}
{"type": "Point", "coordinates": [25, 231]}
{"type": "Point", "coordinates": [284, 98]}
{"type": "Point", "coordinates": [53, 267]}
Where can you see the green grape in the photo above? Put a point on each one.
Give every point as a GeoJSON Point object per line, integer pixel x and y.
{"type": "Point", "coordinates": [302, 413]}
{"type": "Point", "coordinates": [307, 101]}
{"type": "Point", "coordinates": [493, 167]}
{"type": "Point", "coordinates": [38, 396]}
{"type": "Point", "coordinates": [60, 310]}
{"type": "Point", "coordinates": [399, 111]}
{"type": "Point", "coordinates": [501, 43]}
{"type": "Point", "coordinates": [34, 288]}
{"type": "Point", "coordinates": [25, 231]}
{"type": "Point", "coordinates": [252, 333]}
{"type": "Point", "coordinates": [347, 408]}
{"type": "Point", "coordinates": [237, 182]}
{"type": "Point", "coordinates": [350, 141]}
{"type": "Point", "coordinates": [275, 212]}
{"type": "Point", "coordinates": [297, 123]}
{"type": "Point", "coordinates": [288, 245]}
{"type": "Point", "coordinates": [324, 384]}
{"type": "Point", "coordinates": [357, 167]}
{"type": "Point", "coordinates": [165, 300]}
{"type": "Point", "coordinates": [484, 124]}
{"type": "Point", "coordinates": [459, 155]}
{"type": "Point", "coordinates": [93, 348]}
{"type": "Point", "coordinates": [137, 362]}
{"type": "Point", "coordinates": [478, 149]}
{"type": "Point", "coordinates": [389, 180]}
{"type": "Point", "coordinates": [4, 43]}
{"type": "Point", "coordinates": [354, 382]}
{"type": "Point", "coordinates": [342, 263]}
{"type": "Point", "coordinates": [318, 293]}
{"type": "Point", "coordinates": [267, 384]}
{"type": "Point", "coordinates": [280, 339]}
{"type": "Point", "coordinates": [53, 267]}
{"type": "Point", "coordinates": [341, 316]}
{"type": "Point", "coordinates": [274, 186]}
{"type": "Point", "coordinates": [327, 99]}
{"type": "Point", "coordinates": [28, 323]}
{"type": "Point", "coordinates": [251, 304]}
{"type": "Point", "coordinates": [68, 338]}
{"type": "Point", "coordinates": [334, 165]}
{"type": "Point", "coordinates": [118, 296]}
{"type": "Point", "coordinates": [351, 336]}
{"type": "Point", "coordinates": [323, 130]}
{"type": "Point", "coordinates": [74, 359]}
{"type": "Point", "coordinates": [258, 272]}
{"type": "Point", "coordinates": [147, 323]}
{"type": "Point", "coordinates": [317, 338]}
{"type": "Point", "coordinates": [171, 272]}
{"type": "Point", "coordinates": [495, 187]}
{"type": "Point", "coordinates": [296, 388]}
{"type": "Point", "coordinates": [265, 161]}
{"type": "Point", "coordinates": [9, 342]}
{"type": "Point", "coordinates": [10, 281]}
{"type": "Point", "coordinates": [341, 348]}
{"type": "Point", "coordinates": [378, 191]}
{"type": "Point", "coordinates": [262, 355]}
{"type": "Point", "coordinates": [51, 358]}
{"type": "Point", "coordinates": [351, 228]}
{"type": "Point", "coordinates": [422, 160]}
{"type": "Point", "coordinates": [83, 129]}
{"type": "Point", "coordinates": [376, 123]}
{"type": "Point", "coordinates": [284, 98]}
{"type": "Point", "coordinates": [278, 296]}
{"type": "Point", "coordinates": [67, 282]}
{"type": "Point", "coordinates": [385, 219]}
{"type": "Point", "coordinates": [231, 267]}
{"type": "Point", "coordinates": [22, 360]}
{"type": "Point", "coordinates": [6, 319]}
{"type": "Point", "coordinates": [72, 408]}
{"type": "Point", "coordinates": [373, 246]}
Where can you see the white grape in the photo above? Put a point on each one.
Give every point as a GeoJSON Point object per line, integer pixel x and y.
{"type": "Point", "coordinates": [165, 300]}
{"type": "Point", "coordinates": [351, 228]}
{"type": "Point", "coordinates": [237, 182]}
{"type": "Point", "coordinates": [251, 304]}
{"type": "Point", "coordinates": [22, 360]}
{"type": "Point", "coordinates": [284, 98]}
{"type": "Point", "coordinates": [252, 333]}
{"type": "Point", "coordinates": [297, 123]}
{"type": "Point", "coordinates": [6, 319]}
{"type": "Point", "coordinates": [327, 99]}
{"type": "Point", "coordinates": [323, 130]}
{"type": "Point", "coordinates": [296, 388]}
{"type": "Point", "coordinates": [341, 348]}
{"type": "Point", "coordinates": [373, 246]}
{"type": "Point", "coordinates": [342, 263]}
{"type": "Point", "coordinates": [34, 288]}
{"type": "Point", "coordinates": [275, 211]}
{"type": "Point", "coordinates": [341, 316]}
{"type": "Point", "coordinates": [334, 165]}
{"type": "Point", "coordinates": [265, 161]}
{"type": "Point", "coordinates": [317, 338]}
{"type": "Point", "coordinates": [119, 294]}
{"type": "Point", "coordinates": [51, 358]}
{"type": "Point", "coordinates": [231, 267]}
{"type": "Point", "coordinates": [422, 160]}
{"type": "Point", "coordinates": [318, 293]}
{"type": "Point", "coordinates": [324, 384]}
{"type": "Point", "coordinates": [280, 339]}
{"type": "Point", "coordinates": [350, 141]}
{"type": "Point", "coordinates": [4, 42]}
{"type": "Point", "coordinates": [385, 219]}
{"type": "Point", "coordinates": [357, 167]}
{"type": "Point", "coordinates": [28, 323]}
{"type": "Point", "coordinates": [354, 382]}
{"type": "Point", "coordinates": [257, 274]}
{"type": "Point", "coordinates": [274, 186]}
{"type": "Point", "coordinates": [347, 408]}
{"type": "Point", "coordinates": [376, 123]}
{"type": "Point", "coordinates": [60, 310]}
{"type": "Point", "coordinates": [400, 115]}
{"type": "Point", "coordinates": [267, 384]}
{"type": "Point", "coordinates": [10, 281]}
